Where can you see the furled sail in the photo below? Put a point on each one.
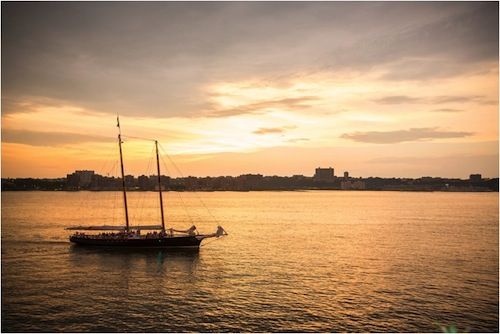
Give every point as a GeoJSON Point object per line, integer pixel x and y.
{"type": "Point", "coordinates": [189, 231]}
{"type": "Point", "coordinates": [219, 233]}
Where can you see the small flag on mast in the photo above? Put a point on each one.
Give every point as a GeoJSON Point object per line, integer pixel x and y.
{"type": "Point", "coordinates": [118, 121]}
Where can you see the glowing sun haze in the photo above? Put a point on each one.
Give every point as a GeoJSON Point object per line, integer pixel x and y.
{"type": "Point", "coordinates": [400, 89]}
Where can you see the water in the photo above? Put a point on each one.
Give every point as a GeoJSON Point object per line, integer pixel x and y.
{"type": "Point", "coordinates": [293, 261]}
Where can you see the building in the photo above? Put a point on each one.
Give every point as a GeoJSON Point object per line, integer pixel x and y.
{"type": "Point", "coordinates": [352, 185]}
{"type": "Point", "coordinates": [324, 174]}
{"type": "Point", "coordinates": [346, 176]}
{"type": "Point", "coordinates": [143, 182]}
{"type": "Point", "coordinates": [475, 178]}
{"type": "Point", "coordinates": [80, 179]}
{"type": "Point", "coordinates": [85, 177]}
{"type": "Point", "coordinates": [130, 181]}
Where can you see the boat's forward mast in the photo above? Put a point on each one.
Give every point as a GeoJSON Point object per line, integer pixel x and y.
{"type": "Point", "coordinates": [124, 189]}
{"type": "Point", "coordinates": [159, 187]}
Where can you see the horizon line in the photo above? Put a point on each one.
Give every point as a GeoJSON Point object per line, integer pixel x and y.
{"type": "Point", "coordinates": [209, 176]}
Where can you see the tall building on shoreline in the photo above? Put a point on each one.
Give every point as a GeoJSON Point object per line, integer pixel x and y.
{"type": "Point", "coordinates": [324, 174]}
{"type": "Point", "coordinates": [80, 178]}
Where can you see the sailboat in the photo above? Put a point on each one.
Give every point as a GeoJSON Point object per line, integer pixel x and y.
{"type": "Point", "coordinates": [131, 236]}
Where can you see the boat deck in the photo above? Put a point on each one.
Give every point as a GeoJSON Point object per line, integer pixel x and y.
{"type": "Point", "coordinates": [157, 241]}
{"type": "Point", "coordinates": [123, 236]}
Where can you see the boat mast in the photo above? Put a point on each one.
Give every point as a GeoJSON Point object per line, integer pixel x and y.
{"type": "Point", "coordinates": [159, 187]}
{"type": "Point", "coordinates": [123, 172]}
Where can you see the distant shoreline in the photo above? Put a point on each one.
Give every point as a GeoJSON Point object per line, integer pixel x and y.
{"type": "Point", "coordinates": [260, 190]}
{"type": "Point", "coordinates": [324, 179]}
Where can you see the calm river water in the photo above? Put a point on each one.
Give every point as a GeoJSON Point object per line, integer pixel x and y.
{"type": "Point", "coordinates": [293, 261]}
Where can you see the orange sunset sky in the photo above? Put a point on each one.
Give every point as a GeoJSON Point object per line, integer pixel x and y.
{"type": "Point", "coordinates": [398, 89]}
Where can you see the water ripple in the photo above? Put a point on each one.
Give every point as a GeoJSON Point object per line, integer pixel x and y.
{"type": "Point", "coordinates": [293, 262]}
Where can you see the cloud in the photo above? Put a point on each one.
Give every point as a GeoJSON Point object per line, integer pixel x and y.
{"type": "Point", "coordinates": [398, 99]}
{"type": "Point", "coordinates": [297, 140]}
{"type": "Point", "coordinates": [27, 104]}
{"type": "Point", "coordinates": [447, 110]}
{"type": "Point", "coordinates": [459, 99]}
{"type": "Point", "coordinates": [441, 99]}
{"type": "Point", "coordinates": [38, 138]}
{"type": "Point", "coordinates": [265, 131]}
{"type": "Point", "coordinates": [421, 69]}
{"type": "Point", "coordinates": [413, 134]}
{"type": "Point", "coordinates": [439, 48]}
{"type": "Point", "coordinates": [157, 58]}
{"type": "Point", "coordinates": [412, 160]}
{"type": "Point", "coordinates": [292, 103]}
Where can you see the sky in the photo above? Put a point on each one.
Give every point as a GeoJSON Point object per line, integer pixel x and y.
{"type": "Point", "coordinates": [395, 89]}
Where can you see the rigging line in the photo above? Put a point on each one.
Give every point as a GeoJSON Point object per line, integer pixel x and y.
{"type": "Point", "coordinates": [114, 198]}
{"type": "Point", "coordinates": [112, 169]}
{"type": "Point", "coordinates": [100, 169]}
{"type": "Point", "coordinates": [142, 138]}
{"type": "Point", "coordinates": [183, 204]}
{"type": "Point", "coordinates": [86, 198]}
{"type": "Point", "coordinates": [208, 242]}
{"type": "Point", "coordinates": [179, 195]}
{"type": "Point", "coordinates": [143, 193]}
{"type": "Point", "coordinates": [196, 194]}
{"type": "Point", "coordinates": [110, 154]}
{"type": "Point", "coordinates": [179, 171]}
{"type": "Point", "coordinates": [140, 201]}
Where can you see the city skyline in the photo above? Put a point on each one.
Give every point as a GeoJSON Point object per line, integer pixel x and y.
{"type": "Point", "coordinates": [389, 90]}
{"type": "Point", "coordinates": [335, 174]}
{"type": "Point", "coordinates": [323, 179]}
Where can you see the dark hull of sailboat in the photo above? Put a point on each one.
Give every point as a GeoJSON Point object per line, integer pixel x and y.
{"type": "Point", "coordinates": [168, 242]}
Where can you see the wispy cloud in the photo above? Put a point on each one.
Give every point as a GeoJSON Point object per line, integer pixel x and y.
{"type": "Point", "coordinates": [413, 134]}
{"type": "Point", "coordinates": [459, 99]}
{"type": "Point", "coordinates": [398, 99]}
{"type": "Point", "coordinates": [441, 99]}
{"type": "Point", "coordinates": [28, 104]}
{"type": "Point", "coordinates": [452, 110]}
{"type": "Point", "coordinates": [298, 140]}
{"type": "Point", "coordinates": [291, 103]}
{"type": "Point", "coordinates": [38, 138]}
{"type": "Point", "coordinates": [444, 162]}
{"type": "Point", "coordinates": [265, 131]}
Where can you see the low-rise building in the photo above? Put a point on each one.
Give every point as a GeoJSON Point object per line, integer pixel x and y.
{"type": "Point", "coordinates": [352, 185]}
